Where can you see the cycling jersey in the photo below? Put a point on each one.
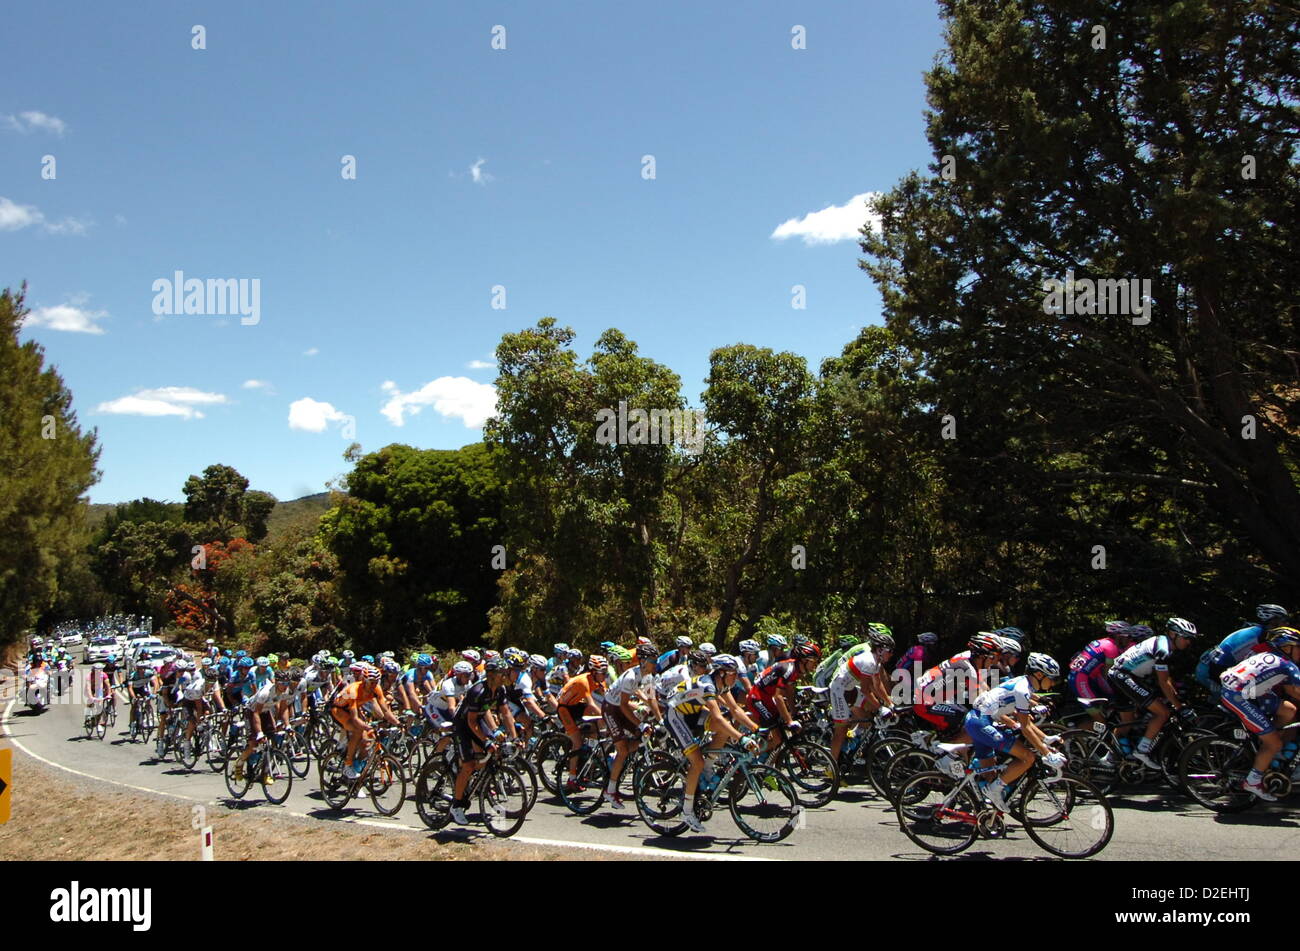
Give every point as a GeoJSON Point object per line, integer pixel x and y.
{"type": "Point", "coordinates": [1088, 669]}
{"type": "Point", "coordinates": [1145, 657]}
{"type": "Point", "coordinates": [478, 699]}
{"type": "Point", "coordinates": [826, 669]}
{"type": "Point", "coordinates": [1010, 696]}
{"type": "Point", "coordinates": [1261, 674]}
{"type": "Point", "coordinates": [578, 690]}
{"type": "Point", "coordinates": [357, 694]}
{"type": "Point", "coordinates": [667, 682]}
{"type": "Point", "coordinates": [954, 681]}
{"type": "Point", "coordinates": [668, 659]}
{"type": "Point", "coordinates": [197, 687]}
{"type": "Point", "coordinates": [691, 694]}
{"type": "Point", "coordinates": [778, 677]}
{"type": "Point", "coordinates": [626, 685]}
{"type": "Point", "coordinates": [1248, 689]}
{"type": "Point", "coordinates": [519, 690]}
{"type": "Point", "coordinates": [1236, 647]}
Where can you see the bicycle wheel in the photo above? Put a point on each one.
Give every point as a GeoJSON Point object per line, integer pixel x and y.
{"type": "Point", "coordinates": [214, 749]}
{"type": "Point", "coordinates": [433, 790]}
{"type": "Point", "coordinates": [878, 757]}
{"type": "Point", "coordinates": [1171, 753]}
{"type": "Point", "coordinates": [89, 724]}
{"type": "Point", "coordinates": [335, 788]}
{"type": "Point", "coordinates": [529, 772]}
{"type": "Point", "coordinates": [660, 796]}
{"type": "Point", "coordinates": [1068, 817]}
{"type": "Point", "coordinates": [763, 803]}
{"type": "Point", "coordinates": [906, 765]}
{"type": "Point", "coordinates": [148, 720]}
{"type": "Point", "coordinates": [1091, 758]}
{"type": "Point", "coordinates": [582, 789]}
{"type": "Point", "coordinates": [320, 737]}
{"type": "Point", "coordinates": [547, 758]}
{"type": "Point", "coordinates": [189, 750]}
{"type": "Point", "coordinates": [238, 787]}
{"type": "Point", "coordinates": [1212, 770]}
{"type": "Point", "coordinates": [101, 725]}
{"type": "Point", "coordinates": [387, 785]}
{"type": "Point", "coordinates": [296, 749]}
{"type": "Point", "coordinates": [276, 776]}
{"type": "Point", "coordinates": [502, 800]}
{"type": "Point", "coordinates": [936, 815]}
{"type": "Point", "coordinates": [811, 768]}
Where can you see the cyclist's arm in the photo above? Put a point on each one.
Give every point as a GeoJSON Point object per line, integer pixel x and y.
{"type": "Point", "coordinates": [718, 722]}
{"type": "Point", "coordinates": [876, 689]}
{"type": "Point", "coordinates": [781, 708]}
{"type": "Point", "coordinates": [1030, 731]}
{"type": "Point", "coordinates": [1168, 689]}
{"type": "Point", "coordinates": [738, 712]}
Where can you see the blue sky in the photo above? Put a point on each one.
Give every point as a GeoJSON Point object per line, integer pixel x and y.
{"type": "Point", "coordinates": [475, 167]}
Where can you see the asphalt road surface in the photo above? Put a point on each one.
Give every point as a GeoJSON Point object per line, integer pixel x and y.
{"type": "Point", "coordinates": [1150, 825]}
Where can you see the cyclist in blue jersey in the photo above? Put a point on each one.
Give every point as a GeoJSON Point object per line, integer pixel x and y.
{"type": "Point", "coordinates": [1251, 690]}
{"type": "Point", "coordinates": [1239, 645]}
{"type": "Point", "coordinates": [681, 647]}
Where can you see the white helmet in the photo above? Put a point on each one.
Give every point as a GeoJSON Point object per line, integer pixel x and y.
{"type": "Point", "coordinates": [462, 667]}
{"type": "Point", "coordinates": [1043, 664]}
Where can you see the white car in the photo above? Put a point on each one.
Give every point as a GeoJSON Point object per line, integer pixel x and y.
{"type": "Point", "coordinates": [154, 656]}
{"type": "Point", "coordinates": [100, 648]}
{"type": "Point", "coordinates": [72, 637]}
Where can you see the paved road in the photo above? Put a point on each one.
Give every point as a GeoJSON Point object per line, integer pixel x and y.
{"type": "Point", "coordinates": [1148, 826]}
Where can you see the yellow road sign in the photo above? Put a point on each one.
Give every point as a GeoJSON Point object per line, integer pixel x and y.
{"type": "Point", "coordinates": [6, 783]}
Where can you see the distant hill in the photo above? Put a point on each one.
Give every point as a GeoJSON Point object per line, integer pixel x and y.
{"type": "Point", "coordinates": [285, 515]}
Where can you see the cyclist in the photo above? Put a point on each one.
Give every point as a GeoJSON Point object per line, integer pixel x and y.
{"type": "Point", "coordinates": [1088, 668]}
{"type": "Point", "coordinates": [921, 656]}
{"type": "Point", "coordinates": [1239, 645]}
{"type": "Point", "coordinates": [621, 720]}
{"type": "Point", "coordinates": [478, 729]}
{"type": "Point", "coordinates": [542, 692]}
{"type": "Point", "coordinates": [257, 691]}
{"type": "Point", "coordinates": [944, 693]}
{"type": "Point", "coordinates": [1251, 690]}
{"type": "Point", "coordinates": [747, 669]}
{"type": "Point", "coordinates": [778, 649]}
{"type": "Point", "coordinates": [141, 685]}
{"type": "Point", "coordinates": [519, 691]}
{"type": "Point", "coordinates": [98, 687]}
{"type": "Point", "coordinates": [693, 706]}
{"type": "Point", "coordinates": [581, 696]}
{"type": "Point", "coordinates": [771, 701]}
{"type": "Point", "coordinates": [199, 695]}
{"type": "Point", "coordinates": [858, 686]}
{"type": "Point", "coordinates": [826, 669]}
{"type": "Point", "coordinates": [559, 655]}
{"type": "Point", "coordinates": [1130, 676]}
{"type": "Point", "coordinates": [415, 684]}
{"type": "Point", "coordinates": [681, 647]}
{"type": "Point", "coordinates": [990, 725]}
{"type": "Point", "coordinates": [348, 706]}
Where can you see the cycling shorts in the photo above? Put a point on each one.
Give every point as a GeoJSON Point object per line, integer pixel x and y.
{"type": "Point", "coordinates": [617, 723]}
{"type": "Point", "coordinates": [1129, 686]}
{"type": "Point", "coordinates": [1089, 686]}
{"type": "Point", "coordinates": [763, 713]}
{"type": "Point", "coordinates": [948, 717]}
{"type": "Point", "coordinates": [685, 729]}
{"type": "Point", "coordinates": [1257, 714]}
{"type": "Point", "coordinates": [844, 692]}
{"type": "Point", "coordinates": [987, 737]}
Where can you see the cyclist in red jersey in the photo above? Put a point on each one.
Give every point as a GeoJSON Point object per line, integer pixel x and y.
{"type": "Point", "coordinates": [771, 699]}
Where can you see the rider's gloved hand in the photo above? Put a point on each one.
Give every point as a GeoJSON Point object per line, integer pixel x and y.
{"type": "Point", "coordinates": [884, 713]}
{"type": "Point", "coordinates": [794, 726]}
{"type": "Point", "coordinates": [749, 744]}
{"type": "Point", "coordinates": [1055, 760]}
{"type": "Point", "coordinates": [1039, 710]}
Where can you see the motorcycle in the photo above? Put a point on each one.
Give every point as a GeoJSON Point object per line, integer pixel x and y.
{"type": "Point", "coordinates": [36, 692]}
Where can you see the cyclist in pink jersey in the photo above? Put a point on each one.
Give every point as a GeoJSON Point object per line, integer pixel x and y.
{"type": "Point", "coordinates": [1087, 676]}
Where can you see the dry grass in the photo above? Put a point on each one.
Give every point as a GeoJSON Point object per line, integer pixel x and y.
{"type": "Point", "coordinates": [56, 817]}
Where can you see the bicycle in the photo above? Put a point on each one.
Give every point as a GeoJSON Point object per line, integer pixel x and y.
{"type": "Point", "coordinates": [1212, 770]}
{"type": "Point", "coordinates": [1096, 754]}
{"type": "Point", "coordinates": [96, 721]}
{"type": "Point", "coordinates": [762, 802]}
{"type": "Point", "coordinates": [382, 776]}
{"type": "Point", "coordinates": [1064, 815]}
{"type": "Point", "coordinates": [266, 765]}
{"type": "Point", "coordinates": [143, 719]}
{"type": "Point", "coordinates": [498, 785]}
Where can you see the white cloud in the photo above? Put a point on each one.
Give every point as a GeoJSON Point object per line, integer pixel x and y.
{"type": "Point", "coordinates": [833, 223]}
{"type": "Point", "coordinates": [32, 120]}
{"type": "Point", "coordinates": [165, 401]}
{"type": "Point", "coordinates": [14, 217]}
{"type": "Point", "coordinates": [312, 415]}
{"type": "Point", "coordinates": [455, 397]}
{"type": "Point", "coordinates": [67, 317]}
{"type": "Point", "coordinates": [481, 365]}
{"type": "Point", "coordinates": [310, 352]}
{"type": "Point", "coordinates": [255, 384]}
{"type": "Point", "coordinates": [476, 172]}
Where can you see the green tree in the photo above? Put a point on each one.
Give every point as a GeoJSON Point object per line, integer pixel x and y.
{"type": "Point", "coordinates": [1054, 153]}
{"type": "Point", "coordinates": [220, 502]}
{"type": "Point", "coordinates": [49, 465]}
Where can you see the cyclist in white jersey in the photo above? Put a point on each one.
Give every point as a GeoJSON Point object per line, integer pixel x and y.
{"type": "Point", "coordinates": [1130, 675]}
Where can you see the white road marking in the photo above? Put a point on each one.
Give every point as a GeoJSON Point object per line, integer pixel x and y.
{"type": "Point", "coordinates": [395, 826]}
